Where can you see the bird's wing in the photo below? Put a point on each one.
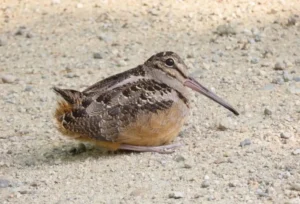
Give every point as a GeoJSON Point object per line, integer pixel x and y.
{"type": "Point", "coordinates": [105, 114]}
{"type": "Point", "coordinates": [116, 80]}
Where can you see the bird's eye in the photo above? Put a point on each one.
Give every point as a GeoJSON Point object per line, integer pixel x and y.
{"type": "Point", "coordinates": [170, 62]}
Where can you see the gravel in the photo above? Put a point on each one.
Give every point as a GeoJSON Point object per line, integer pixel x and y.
{"type": "Point", "coordinates": [278, 80]}
{"type": "Point", "coordinates": [295, 186]}
{"type": "Point", "coordinates": [280, 66]}
{"type": "Point", "coordinates": [254, 60]}
{"type": "Point", "coordinates": [286, 135]}
{"type": "Point", "coordinates": [4, 183]}
{"type": "Point", "coordinates": [97, 55]}
{"type": "Point", "coordinates": [287, 77]}
{"type": "Point", "coordinates": [2, 42]}
{"type": "Point", "coordinates": [205, 184]}
{"type": "Point", "coordinates": [245, 142]}
{"type": "Point", "coordinates": [296, 78]}
{"type": "Point", "coordinates": [296, 151]}
{"type": "Point", "coordinates": [20, 31]}
{"type": "Point", "coordinates": [226, 29]}
{"type": "Point", "coordinates": [291, 21]}
{"type": "Point", "coordinates": [179, 158]}
{"type": "Point", "coordinates": [176, 195]}
{"type": "Point", "coordinates": [8, 79]}
{"type": "Point", "coordinates": [37, 162]}
{"type": "Point", "coordinates": [267, 111]}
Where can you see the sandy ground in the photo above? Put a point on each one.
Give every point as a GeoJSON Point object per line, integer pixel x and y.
{"type": "Point", "coordinates": [248, 52]}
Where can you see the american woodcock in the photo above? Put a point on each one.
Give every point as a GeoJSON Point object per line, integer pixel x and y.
{"type": "Point", "coordinates": [142, 109]}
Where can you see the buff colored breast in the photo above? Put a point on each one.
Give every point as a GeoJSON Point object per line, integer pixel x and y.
{"type": "Point", "coordinates": [156, 128]}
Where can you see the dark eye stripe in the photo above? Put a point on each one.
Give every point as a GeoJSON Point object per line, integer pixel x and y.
{"type": "Point", "coordinates": [180, 72]}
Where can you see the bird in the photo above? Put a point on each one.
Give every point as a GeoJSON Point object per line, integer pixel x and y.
{"type": "Point", "coordinates": [142, 109]}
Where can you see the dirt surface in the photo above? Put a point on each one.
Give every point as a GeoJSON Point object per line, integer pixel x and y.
{"type": "Point", "coordinates": [248, 52]}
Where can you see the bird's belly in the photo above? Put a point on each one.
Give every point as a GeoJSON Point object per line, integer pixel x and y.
{"type": "Point", "coordinates": [154, 129]}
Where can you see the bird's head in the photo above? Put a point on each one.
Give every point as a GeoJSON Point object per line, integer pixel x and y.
{"type": "Point", "coordinates": [171, 65]}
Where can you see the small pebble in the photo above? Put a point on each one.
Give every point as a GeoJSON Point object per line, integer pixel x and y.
{"type": "Point", "coordinates": [247, 32]}
{"type": "Point", "coordinates": [154, 12]}
{"type": "Point", "coordinates": [8, 79]}
{"type": "Point", "coordinates": [284, 175]}
{"type": "Point", "coordinates": [138, 192]}
{"type": "Point", "coordinates": [226, 29]}
{"type": "Point", "coordinates": [187, 166]}
{"type": "Point", "coordinates": [2, 42]}
{"type": "Point", "coordinates": [206, 66]}
{"type": "Point", "coordinates": [222, 127]}
{"type": "Point", "coordinates": [245, 142]}
{"type": "Point", "coordinates": [30, 162]}
{"type": "Point", "coordinates": [285, 135]}
{"type": "Point", "coordinates": [179, 158]}
{"type": "Point", "coordinates": [205, 184]}
{"type": "Point", "coordinates": [121, 63]}
{"type": "Point", "coordinates": [288, 63]}
{"type": "Point", "coordinates": [278, 80]}
{"type": "Point", "coordinates": [261, 193]}
{"type": "Point", "coordinates": [29, 35]}
{"type": "Point", "coordinates": [215, 59]}
{"type": "Point", "coordinates": [20, 31]}
{"type": "Point", "coordinates": [254, 60]}
{"type": "Point", "coordinates": [226, 124]}
{"type": "Point", "coordinates": [24, 192]}
{"type": "Point", "coordinates": [296, 152]}
{"type": "Point", "coordinates": [190, 56]}
{"type": "Point", "coordinates": [251, 41]}
{"type": "Point", "coordinates": [211, 198]}
{"type": "Point", "coordinates": [269, 87]}
{"type": "Point", "coordinates": [97, 55]}
{"type": "Point", "coordinates": [294, 90]}
{"type": "Point", "coordinates": [104, 38]}
{"type": "Point", "coordinates": [296, 78]}
{"type": "Point", "coordinates": [297, 62]}
{"type": "Point", "coordinates": [34, 184]}
{"type": "Point", "coordinates": [232, 184]}
{"type": "Point", "coordinates": [267, 111]}
{"type": "Point", "coordinates": [267, 53]}
{"type": "Point", "coordinates": [71, 75]}
{"type": "Point", "coordinates": [176, 195]}
{"type": "Point", "coordinates": [255, 31]}
{"type": "Point", "coordinates": [4, 183]}
{"type": "Point", "coordinates": [280, 66]}
{"type": "Point", "coordinates": [291, 21]}
{"type": "Point", "coordinates": [257, 38]}
{"type": "Point", "coordinates": [286, 76]}
{"type": "Point", "coordinates": [28, 88]}
{"type": "Point", "coordinates": [295, 186]}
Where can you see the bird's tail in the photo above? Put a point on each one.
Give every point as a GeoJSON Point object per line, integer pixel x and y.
{"type": "Point", "coordinates": [69, 95]}
{"type": "Point", "coordinates": [70, 98]}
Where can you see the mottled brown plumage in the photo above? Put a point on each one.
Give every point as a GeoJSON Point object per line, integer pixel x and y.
{"type": "Point", "coordinates": [140, 109]}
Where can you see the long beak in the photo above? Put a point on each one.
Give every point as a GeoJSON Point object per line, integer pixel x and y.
{"type": "Point", "coordinates": [196, 86]}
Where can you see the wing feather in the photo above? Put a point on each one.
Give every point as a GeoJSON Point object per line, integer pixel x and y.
{"type": "Point", "coordinates": [113, 110]}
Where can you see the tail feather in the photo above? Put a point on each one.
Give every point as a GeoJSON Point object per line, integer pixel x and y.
{"type": "Point", "coordinates": [69, 95]}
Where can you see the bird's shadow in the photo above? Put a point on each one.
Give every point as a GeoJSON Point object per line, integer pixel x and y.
{"type": "Point", "coordinates": [69, 152]}
{"type": "Point", "coordinates": [66, 152]}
